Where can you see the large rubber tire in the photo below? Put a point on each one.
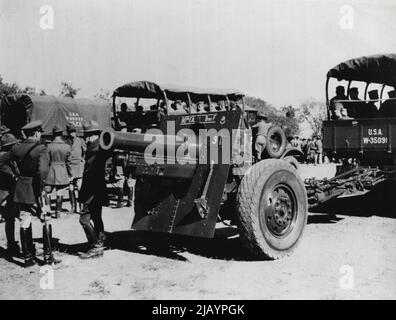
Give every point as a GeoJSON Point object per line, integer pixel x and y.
{"type": "Point", "coordinates": [272, 209]}
{"type": "Point", "coordinates": [276, 142]}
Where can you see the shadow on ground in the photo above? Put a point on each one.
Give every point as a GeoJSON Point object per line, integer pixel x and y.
{"type": "Point", "coordinates": [224, 246]}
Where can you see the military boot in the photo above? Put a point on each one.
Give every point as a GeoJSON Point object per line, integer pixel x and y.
{"type": "Point", "coordinates": [13, 249]}
{"type": "Point", "coordinates": [47, 246]}
{"type": "Point", "coordinates": [120, 198]}
{"type": "Point", "coordinates": [72, 202]}
{"type": "Point", "coordinates": [95, 252]}
{"type": "Point", "coordinates": [102, 239]}
{"type": "Point", "coordinates": [59, 203]}
{"type": "Point", "coordinates": [27, 247]}
{"type": "Point", "coordinates": [96, 249]}
{"type": "Point", "coordinates": [130, 197]}
{"type": "Point", "coordinates": [77, 204]}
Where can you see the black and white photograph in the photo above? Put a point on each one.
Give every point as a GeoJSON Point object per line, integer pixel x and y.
{"type": "Point", "coordinates": [197, 150]}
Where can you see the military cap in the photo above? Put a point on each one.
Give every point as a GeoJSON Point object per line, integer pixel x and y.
{"type": "Point", "coordinates": [33, 126]}
{"type": "Point", "coordinates": [91, 126]}
{"type": "Point", "coordinates": [261, 115]}
{"type": "Point", "coordinates": [57, 130]}
{"type": "Point", "coordinates": [8, 139]}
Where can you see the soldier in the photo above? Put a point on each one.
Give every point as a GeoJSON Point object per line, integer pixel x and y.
{"type": "Point", "coordinates": [93, 191]}
{"type": "Point", "coordinates": [60, 173]}
{"type": "Point", "coordinates": [312, 150]}
{"type": "Point", "coordinates": [340, 95]}
{"type": "Point", "coordinates": [124, 180]}
{"type": "Point", "coordinates": [262, 128]}
{"type": "Point", "coordinates": [32, 159]}
{"type": "Point", "coordinates": [78, 148]}
{"type": "Point", "coordinates": [388, 107]}
{"type": "Point", "coordinates": [356, 108]}
{"type": "Point", "coordinates": [319, 150]}
{"type": "Point", "coordinates": [8, 176]}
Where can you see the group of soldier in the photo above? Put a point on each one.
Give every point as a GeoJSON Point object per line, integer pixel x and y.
{"type": "Point", "coordinates": [30, 171]}
{"type": "Point", "coordinates": [351, 107]}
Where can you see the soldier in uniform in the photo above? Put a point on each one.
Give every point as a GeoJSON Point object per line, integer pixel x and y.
{"type": "Point", "coordinates": [93, 191]}
{"type": "Point", "coordinates": [388, 107]}
{"type": "Point", "coordinates": [8, 176]}
{"type": "Point", "coordinates": [78, 148]}
{"type": "Point", "coordinates": [60, 173]}
{"type": "Point", "coordinates": [312, 150]}
{"type": "Point", "coordinates": [32, 160]}
{"type": "Point", "coordinates": [340, 95]}
{"type": "Point", "coordinates": [261, 131]}
{"type": "Point", "coordinates": [319, 150]}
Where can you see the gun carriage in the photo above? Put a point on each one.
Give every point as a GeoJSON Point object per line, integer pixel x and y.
{"type": "Point", "coordinates": [194, 167]}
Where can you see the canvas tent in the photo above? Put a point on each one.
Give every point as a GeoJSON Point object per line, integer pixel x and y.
{"type": "Point", "coordinates": [17, 110]}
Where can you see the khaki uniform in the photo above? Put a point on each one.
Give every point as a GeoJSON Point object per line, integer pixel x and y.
{"type": "Point", "coordinates": [78, 149]}
{"type": "Point", "coordinates": [60, 165]}
{"type": "Point", "coordinates": [261, 137]}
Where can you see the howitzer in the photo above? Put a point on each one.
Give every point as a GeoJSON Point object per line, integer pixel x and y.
{"type": "Point", "coordinates": [195, 169]}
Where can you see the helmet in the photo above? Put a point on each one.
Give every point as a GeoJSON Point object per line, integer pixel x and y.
{"type": "Point", "coordinates": [262, 115]}
{"type": "Point", "coordinates": [91, 126]}
{"type": "Point", "coordinates": [8, 139]}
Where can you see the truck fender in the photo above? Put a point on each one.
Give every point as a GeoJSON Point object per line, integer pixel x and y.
{"type": "Point", "coordinates": [294, 152]}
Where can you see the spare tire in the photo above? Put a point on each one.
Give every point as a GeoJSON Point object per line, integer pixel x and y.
{"type": "Point", "coordinates": [276, 142]}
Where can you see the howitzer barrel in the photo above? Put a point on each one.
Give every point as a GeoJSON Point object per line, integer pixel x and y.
{"type": "Point", "coordinates": [139, 142]}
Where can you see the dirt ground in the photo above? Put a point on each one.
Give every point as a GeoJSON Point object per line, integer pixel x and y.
{"type": "Point", "coordinates": [354, 237]}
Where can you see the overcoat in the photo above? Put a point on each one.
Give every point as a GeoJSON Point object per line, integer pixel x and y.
{"type": "Point", "coordinates": [33, 164]}
{"type": "Point", "coordinates": [59, 163]}
{"type": "Point", "coordinates": [93, 186]}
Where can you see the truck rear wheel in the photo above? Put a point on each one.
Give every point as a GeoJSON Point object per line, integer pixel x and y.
{"type": "Point", "coordinates": [272, 206]}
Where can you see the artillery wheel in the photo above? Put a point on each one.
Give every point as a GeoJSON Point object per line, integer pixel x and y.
{"type": "Point", "coordinates": [273, 209]}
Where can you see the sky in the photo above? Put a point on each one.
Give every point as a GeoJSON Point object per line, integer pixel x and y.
{"type": "Point", "coordinates": [279, 51]}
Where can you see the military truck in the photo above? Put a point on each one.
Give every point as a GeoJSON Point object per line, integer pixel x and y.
{"type": "Point", "coordinates": [191, 153]}
{"type": "Point", "coordinates": [17, 110]}
{"type": "Point", "coordinates": [364, 143]}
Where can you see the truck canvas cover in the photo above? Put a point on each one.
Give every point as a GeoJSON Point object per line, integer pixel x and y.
{"type": "Point", "coordinates": [376, 69]}
{"type": "Point", "coordinates": [17, 110]}
{"type": "Point", "coordinates": [151, 90]}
